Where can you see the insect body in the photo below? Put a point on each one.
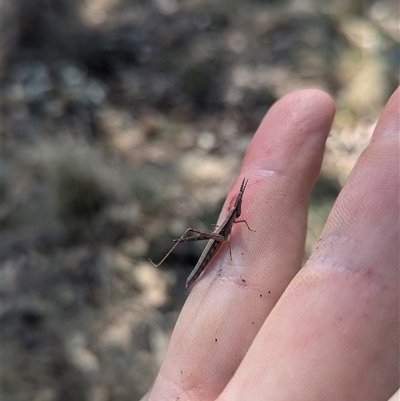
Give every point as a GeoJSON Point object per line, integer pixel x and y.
{"type": "Point", "coordinates": [216, 239]}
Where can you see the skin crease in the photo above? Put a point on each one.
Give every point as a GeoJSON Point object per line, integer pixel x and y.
{"type": "Point", "coordinates": [257, 328]}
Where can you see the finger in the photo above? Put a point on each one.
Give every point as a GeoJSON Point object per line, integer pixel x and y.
{"type": "Point", "coordinates": [334, 333]}
{"type": "Point", "coordinates": [232, 299]}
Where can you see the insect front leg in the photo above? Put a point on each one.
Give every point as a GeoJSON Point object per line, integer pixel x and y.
{"type": "Point", "coordinates": [244, 221]}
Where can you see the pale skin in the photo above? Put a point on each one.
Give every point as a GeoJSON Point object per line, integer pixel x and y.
{"type": "Point", "coordinates": [257, 327]}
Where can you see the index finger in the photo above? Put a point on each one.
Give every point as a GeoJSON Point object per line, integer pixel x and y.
{"type": "Point", "coordinates": [233, 298]}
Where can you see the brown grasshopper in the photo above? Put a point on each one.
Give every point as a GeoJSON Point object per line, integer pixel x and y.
{"type": "Point", "coordinates": [216, 239]}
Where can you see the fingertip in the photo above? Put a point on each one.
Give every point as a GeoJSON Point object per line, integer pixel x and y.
{"type": "Point", "coordinates": [388, 123]}
{"type": "Point", "coordinates": [294, 128]}
{"type": "Point", "coordinates": [312, 97]}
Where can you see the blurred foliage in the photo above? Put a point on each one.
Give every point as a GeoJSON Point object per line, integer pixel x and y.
{"type": "Point", "coordinates": [121, 122]}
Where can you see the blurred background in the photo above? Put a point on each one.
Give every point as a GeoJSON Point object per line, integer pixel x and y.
{"type": "Point", "coordinates": [123, 123]}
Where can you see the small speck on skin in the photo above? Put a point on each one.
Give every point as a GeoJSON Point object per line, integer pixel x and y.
{"type": "Point", "coordinates": [243, 280]}
{"type": "Point", "coordinates": [269, 292]}
{"type": "Point", "coordinates": [260, 295]}
{"type": "Point", "coordinates": [252, 322]}
{"type": "Point", "coordinates": [216, 339]}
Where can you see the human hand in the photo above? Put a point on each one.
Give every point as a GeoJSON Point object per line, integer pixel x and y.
{"type": "Point", "coordinates": [260, 328]}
